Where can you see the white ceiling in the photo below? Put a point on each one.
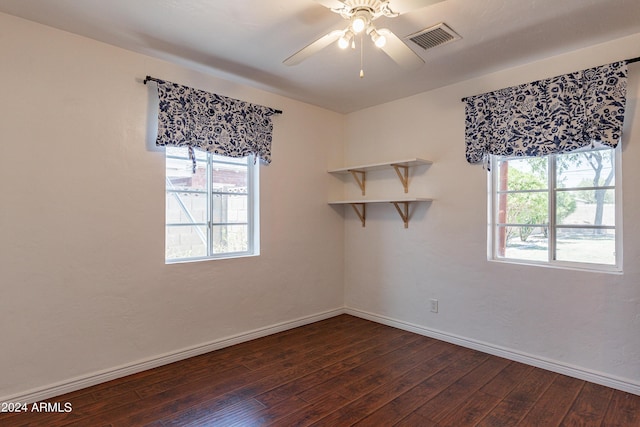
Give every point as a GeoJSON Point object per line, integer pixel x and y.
{"type": "Point", "coordinates": [247, 40]}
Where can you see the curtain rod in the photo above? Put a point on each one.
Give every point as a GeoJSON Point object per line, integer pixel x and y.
{"type": "Point", "coordinates": [628, 61]}
{"type": "Point", "coordinates": [153, 79]}
{"type": "Point", "coordinates": [149, 78]}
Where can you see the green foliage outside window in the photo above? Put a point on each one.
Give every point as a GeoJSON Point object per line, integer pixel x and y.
{"type": "Point", "coordinates": [533, 207]}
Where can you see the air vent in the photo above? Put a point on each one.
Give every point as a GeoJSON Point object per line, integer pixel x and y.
{"type": "Point", "coordinates": [434, 36]}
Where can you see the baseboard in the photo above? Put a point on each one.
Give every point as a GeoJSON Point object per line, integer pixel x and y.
{"type": "Point", "coordinates": [550, 365]}
{"type": "Point", "coordinates": [95, 378]}
{"type": "Point", "coordinates": [79, 383]}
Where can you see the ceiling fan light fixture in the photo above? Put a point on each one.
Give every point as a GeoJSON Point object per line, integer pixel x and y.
{"type": "Point", "coordinates": [378, 39]}
{"type": "Point", "coordinates": [343, 42]}
{"type": "Point", "coordinates": [360, 21]}
{"type": "Point", "coordinates": [358, 24]}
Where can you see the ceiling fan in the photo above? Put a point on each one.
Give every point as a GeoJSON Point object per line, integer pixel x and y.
{"type": "Point", "coordinates": [361, 14]}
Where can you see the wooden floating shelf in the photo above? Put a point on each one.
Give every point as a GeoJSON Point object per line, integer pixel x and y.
{"type": "Point", "coordinates": [401, 205]}
{"type": "Point", "coordinates": [385, 165]}
{"type": "Point", "coordinates": [365, 201]}
{"type": "Point", "coordinates": [401, 167]}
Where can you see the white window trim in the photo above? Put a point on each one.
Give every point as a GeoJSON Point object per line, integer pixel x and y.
{"type": "Point", "coordinates": [492, 229]}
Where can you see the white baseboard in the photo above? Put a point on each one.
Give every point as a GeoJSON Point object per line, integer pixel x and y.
{"type": "Point", "coordinates": [95, 378]}
{"type": "Point", "coordinates": [623, 384]}
{"type": "Point", "coordinates": [89, 380]}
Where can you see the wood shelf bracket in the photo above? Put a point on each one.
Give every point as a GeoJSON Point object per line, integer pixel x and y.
{"type": "Point", "coordinates": [404, 175]}
{"type": "Point", "coordinates": [401, 205]}
{"type": "Point", "coordinates": [404, 212]}
{"type": "Point", "coordinates": [360, 177]}
{"type": "Point", "coordinates": [362, 212]}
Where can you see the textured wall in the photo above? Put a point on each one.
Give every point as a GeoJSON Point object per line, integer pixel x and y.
{"type": "Point", "coordinates": [84, 287]}
{"type": "Point", "coordinates": [582, 320]}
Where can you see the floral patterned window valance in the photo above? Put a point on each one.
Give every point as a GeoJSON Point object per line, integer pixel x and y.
{"type": "Point", "coordinates": [555, 115]}
{"type": "Point", "coordinates": [201, 120]}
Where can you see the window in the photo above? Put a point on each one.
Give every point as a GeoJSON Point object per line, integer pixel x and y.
{"type": "Point", "coordinates": [210, 213]}
{"type": "Point", "coordinates": [561, 210]}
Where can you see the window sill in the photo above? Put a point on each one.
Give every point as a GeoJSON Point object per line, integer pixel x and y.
{"type": "Point", "coordinates": [214, 258]}
{"type": "Point", "coordinates": [597, 268]}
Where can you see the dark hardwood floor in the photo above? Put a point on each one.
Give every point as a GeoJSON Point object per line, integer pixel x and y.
{"type": "Point", "coordinates": [339, 372]}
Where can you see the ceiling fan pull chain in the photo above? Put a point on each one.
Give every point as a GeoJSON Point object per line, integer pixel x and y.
{"type": "Point", "coordinates": [361, 57]}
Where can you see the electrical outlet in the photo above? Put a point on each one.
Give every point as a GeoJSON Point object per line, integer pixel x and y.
{"type": "Point", "coordinates": [434, 305]}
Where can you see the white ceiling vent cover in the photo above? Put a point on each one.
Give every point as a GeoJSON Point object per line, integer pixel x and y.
{"type": "Point", "coordinates": [434, 36]}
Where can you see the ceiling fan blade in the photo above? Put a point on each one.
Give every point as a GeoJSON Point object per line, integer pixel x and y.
{"type": "Point", "coordinates": [331, 4]}
{"type": "Point", "coordinates": [404, 6]}
{"type": "Point", "coordinates": [400, 52]}
{"type": "Point", "coordinates": [313, 48]}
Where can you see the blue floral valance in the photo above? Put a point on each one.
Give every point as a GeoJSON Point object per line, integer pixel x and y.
{"type": "Point", "coordinates": [201, 120]}
{"type": "Point", "coordinates": [555, 115]}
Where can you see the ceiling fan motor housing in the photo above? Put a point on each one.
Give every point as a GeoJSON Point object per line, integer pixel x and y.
{"type": "Point", "coordinates": [373, 8]}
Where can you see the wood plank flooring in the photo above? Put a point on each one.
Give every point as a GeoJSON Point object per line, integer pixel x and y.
{"type": "Point", "coordinates": [339, 372]}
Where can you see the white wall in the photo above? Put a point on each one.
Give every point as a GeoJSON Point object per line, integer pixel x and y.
{"type": "Point", "coordinates": [84, 287]}
{"type": "Point", "coordinates": [585, 322]}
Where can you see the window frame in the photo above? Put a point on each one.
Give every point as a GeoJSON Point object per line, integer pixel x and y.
{"type": "Point", "coordinates": [252, 193]}
{"type": "Point", "coordinates": [552, 191]}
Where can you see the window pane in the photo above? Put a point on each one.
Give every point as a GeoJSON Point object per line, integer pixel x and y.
{"type": "Point", "coordinates": [229, 208]}
{"type": "Point", "coordinates": [229, 178]}
{"type": "Point", "coordinates": [523, 208]}
{"type": "Point", "coordinates": [207, 212]}
{"type": "Point", "coordinates": [186, 208]}
{"type": "Point", "coordinates": [586, 169]}
{"type": "Point", "coordinates": [527, 173]}
{"type": "Point", "coordinates": [185, 242]}
{"type": "Point", "coordinates": [586, 245]}
{"type": "Point", "coordinates": [229, 238]}
{"type": "Point", "coordinates": [184, 152]}
{"type": "Point", "coordinates": [180, 175]}
{"type": "Point", "coordinates": [238, 160]}
{"type": "Point", "coordinates": [525, 243]}
{"type": "Point", "coordinates": [586, 207]}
